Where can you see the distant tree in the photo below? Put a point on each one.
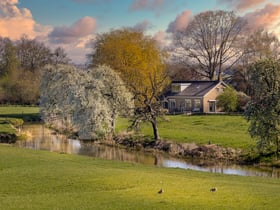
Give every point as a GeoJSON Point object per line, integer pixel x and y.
{"type": "Point", "coordinates": [59, 56]}
{"type": "Point", "coordinates": [260, 44]}
{"type": "Point", "coordinates": [210, 42]}
{"type": "Point", "coordinates": [86, 103]}
{"type": "Point", "coordinates": [32, 54]}
{"type": "Point", "coordinates": [141, 66]}
{"type": "Point", "coordinates": [228, 100]}
{"type": "Point", "coordinates": [263, 111]}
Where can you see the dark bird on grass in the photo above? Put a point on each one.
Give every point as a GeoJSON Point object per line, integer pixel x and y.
{"type": "Point", "coordinates": [160, 191]}
{"type": "Point", "coordinates": [214, 189]}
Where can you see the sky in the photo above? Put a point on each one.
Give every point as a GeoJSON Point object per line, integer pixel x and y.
{"type": "Point", "coordinates": [74, 24]}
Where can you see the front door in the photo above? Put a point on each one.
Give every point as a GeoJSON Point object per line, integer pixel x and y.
{"type": "Point", "coordinates": [212, 106]}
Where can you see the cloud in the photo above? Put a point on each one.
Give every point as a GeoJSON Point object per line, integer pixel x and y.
{"type": "Point", "coordinates": [146, 5]}
{"type": "Point", "coordinates": [68, 34]}
{"type": "Point", "coordinates": [242, 4]}
{"type": "Point", "coordinates": [15, 22]}
{"type": "Point", "coordinates": [142, 26]}
{"type": "Point", "coordinates": [180, 22]}
{"type": "Point", "coordinates": [162, 39]}
{"type": "Point", "coordinates": [267, 17]}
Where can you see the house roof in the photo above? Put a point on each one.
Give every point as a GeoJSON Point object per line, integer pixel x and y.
{"type": "Point", "coordinates": [194, 88]}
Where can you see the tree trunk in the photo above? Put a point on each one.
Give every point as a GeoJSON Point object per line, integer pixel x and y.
{"type": "Point", "coordinates": [155, 129]}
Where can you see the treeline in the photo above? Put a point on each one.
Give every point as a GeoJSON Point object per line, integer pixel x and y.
{"type": "Point", "coordinates": [20, 68]}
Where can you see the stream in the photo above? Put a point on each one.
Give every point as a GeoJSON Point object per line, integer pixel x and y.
{"type": "Point", "coordinates": [42, 138]}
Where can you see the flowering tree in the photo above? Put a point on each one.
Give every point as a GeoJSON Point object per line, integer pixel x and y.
{"type": "Point", "coordinates": [83, 102]}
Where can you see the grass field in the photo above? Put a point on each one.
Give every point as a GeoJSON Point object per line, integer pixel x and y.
{"type": "Point", "coordinates": [228, 131]}
{"type": "Point", "coordinates": [43, 180]}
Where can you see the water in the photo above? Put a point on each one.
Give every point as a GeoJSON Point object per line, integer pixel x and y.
{"type": "Point", "coordinates": [41, 138]}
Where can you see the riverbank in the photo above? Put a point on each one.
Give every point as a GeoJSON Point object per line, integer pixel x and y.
{"type": "Point", "coordinates": [33, 179]}
{"type": "Point", "coordinates": [208, 152]}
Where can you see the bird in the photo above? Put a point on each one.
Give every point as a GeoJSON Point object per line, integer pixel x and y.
{"type": "Point", "coordinates": [160, 191]}
{"type": "Point", "coordinates": [213, 189]}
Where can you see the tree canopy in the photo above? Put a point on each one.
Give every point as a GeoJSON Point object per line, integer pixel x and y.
{"type": "Point", "coordinates": [83, 102]}
{"type": "Point", "coordinates": [263, 111]}
{"type": "Point", "coordinates": [141, 66]}
{"type": "Point", "coordinates": [210, 42]}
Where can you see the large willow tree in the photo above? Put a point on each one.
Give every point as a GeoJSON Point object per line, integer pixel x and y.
{"type": "Point", "coordinates": [141, 66]}
{"type": "Point", "coordinates": [83, 102]}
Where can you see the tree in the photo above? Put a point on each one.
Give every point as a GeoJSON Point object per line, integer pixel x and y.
{"type": "Point", "coordinates": [228, 100]}
{"type": "Point", "coordinates": [210, 42]}
{"type": "Point", "coordinates": [83, 102]}
{"type": "Point", "coordinates": [140, 64]}
{"type": "Point", "coordinates": [260, 44]}
{"type": "Point", "coordinates": [263, 111]}
{"type": "Point", "coordinates": [59, 56]}
{"type": "Point", "coordinates": [33, 55]}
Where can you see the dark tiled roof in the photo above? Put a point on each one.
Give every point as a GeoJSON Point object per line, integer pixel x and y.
{"type": "Point", "coordinates": [195, 89]}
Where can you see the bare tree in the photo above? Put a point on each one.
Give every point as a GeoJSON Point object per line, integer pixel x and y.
{"type": "Point", "coordinates": [32, 54]}
{"type": "Point", "coordinates": [210, 42]}
{"type": "Point", "coordinates": [59, 56]}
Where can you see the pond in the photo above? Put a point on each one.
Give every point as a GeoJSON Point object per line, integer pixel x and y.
{"type": "Point", "coordinates": [41, 138]}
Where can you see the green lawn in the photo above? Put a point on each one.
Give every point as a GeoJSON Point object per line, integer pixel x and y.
{"type": "Point", "coordinates": [27, 113]}
{"type": "Point", "coordinates": [228, 131]}
{"type": "Point", "coordinates": [33, 179]}
{"type": "Point", "coordinates": [14, 115]}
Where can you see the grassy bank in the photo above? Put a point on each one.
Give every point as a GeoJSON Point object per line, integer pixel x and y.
{"type": "Point", "coordinates": [42, 180]}
{"type": "Point", "coordinates": [26, 113]}
{"type": "Point", "coordinates": [15, 115]}
{"type": "Point", "coordinates": [224, 130]}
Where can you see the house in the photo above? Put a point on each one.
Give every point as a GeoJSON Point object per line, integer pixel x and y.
{"type": "Point", "coordinates": [194, 96]}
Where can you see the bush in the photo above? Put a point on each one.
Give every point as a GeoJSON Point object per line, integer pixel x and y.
{"type": "Point", "coordinates": [228, 100]}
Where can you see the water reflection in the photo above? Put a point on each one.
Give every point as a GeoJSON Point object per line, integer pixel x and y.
{"type": "Point", "coordinates": [42, 138]}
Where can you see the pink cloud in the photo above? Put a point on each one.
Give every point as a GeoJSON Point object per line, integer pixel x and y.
{"type": "Point", "coordinates": [68, 34]}
{"type": "Point", "coordinates": [15, 22]}
{"type": "Point", "coordinates": [146, 4]}
{"type": "Point", "coordinates": [162, 39]}
{"type": "Point", "coordinates": [242, 4]}
{"type": "Point", "coordinates": [180, 22]}
{"type": "Point", "coordinates": [266, 17]}
{"type": "Point", "coordinates": [142, 26]}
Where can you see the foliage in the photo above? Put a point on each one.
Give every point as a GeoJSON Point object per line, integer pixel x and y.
{"type": "Point", "coordinates": [260, 44]}
{"type": "Point", "coordinates": [140, 64]}
{"type": "Point", "coordinates": [228, 100]}
{"type": "Point", "coordinates": [263, 111]}
{"type": "Point", "coordinates": [20, 64]}
{"type": "Point", "coordinates": [59, 181]}
{"type": "Point", "coordinates": [86, 103]}
{"type": "Point", "coordinates": [243, 100]}
{"type": "Point", "coordinates": [211, 41]}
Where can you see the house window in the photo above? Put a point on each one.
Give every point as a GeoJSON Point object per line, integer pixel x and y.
{"type": "Point", "coordinates": [188, 104]}
{"type": "Point", "coordinates": [172, 104]}
{"type": "Point", "coordinates": [197, 105]}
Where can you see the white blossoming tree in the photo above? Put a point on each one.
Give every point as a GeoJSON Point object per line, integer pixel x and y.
{"type": "Point", "coordinates": [83, 102]}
